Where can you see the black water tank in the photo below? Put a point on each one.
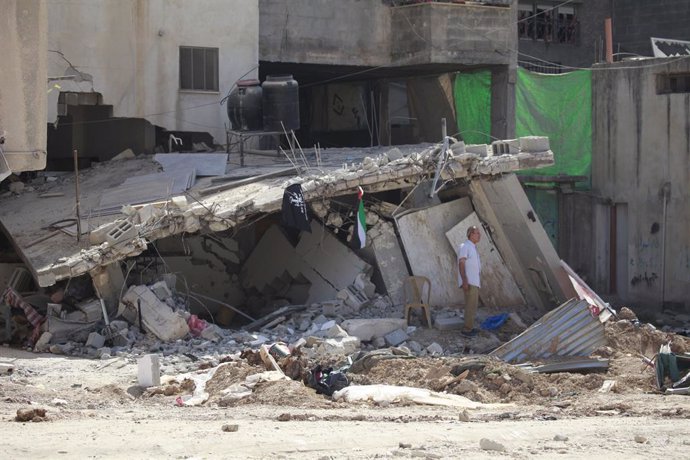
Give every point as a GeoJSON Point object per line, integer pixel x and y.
{"type": "Point", "coordinates": [280, 103]}
{"type": "Point", "coordinates": [244, 106]}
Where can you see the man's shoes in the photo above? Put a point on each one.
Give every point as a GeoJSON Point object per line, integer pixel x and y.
{"type": "Point", "coordinates": [471, 333]}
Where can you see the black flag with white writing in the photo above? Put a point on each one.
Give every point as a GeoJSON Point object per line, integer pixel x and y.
{"type": "Point", "coordinates": [295, 209]}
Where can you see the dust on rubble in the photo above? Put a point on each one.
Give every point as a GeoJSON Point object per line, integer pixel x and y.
{"type": "Point", "coordinates": [478, 377]}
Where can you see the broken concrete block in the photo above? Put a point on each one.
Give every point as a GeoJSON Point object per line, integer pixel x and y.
{"type": "Point", "coordinates": [161, 290]}
{"type": "Point", "coordinates": [123, 230]}
{"type": "Point", "coordinates": [6, 368]}
{"type": "Point", "coordinates": [344, 346]}
{"type": "Point", "coordinates": [336, 332]}
{"type": "Point", "coordinates": [446, 323]}
{"type": "Point", "coordinates": [327, 325]}
{"type": "Point", "coordinates": [534, 144]}
{"type": "Point", "coordinates": [149, 371]}
{"type": "Point", "coordinates": [98, 235]}
{"type": "Point", "coordinates": [104, 353]}
{"type": "Point", "coordinates": [435, 349]}
{"type": "Point", "coordinates": [607, 386]}
{"type": "Point", "coordinates": [90, 311]}
{"type": "Point", "coordinates": [298, 344]}
{"type": "Point", "coordinates": [212, 333]}
{"type": "Point", "coordinates": [43, 342]}
{"type": "Point", "coordinates": [66, 331]}
{"type": "Point", "coordinates": [414, 346]}
{"type": "Point", "coordinates": [396, 337]}
{"type": "Point", "coordinates": [363, 284]}
{"type": "Point", "coordinates": [353, 297]}
{"type": "Point", "coordinates": [379, 342]}
{"type": "Point", "coordinates": [121, 338]}
{"type": "Point", "coordinates": [368, 329]}
{"type": "Point", "coordinates": [95, 340]}
{"type": "Point", "coordinates": [157, 317]}
{"type": "Point", "coordinates": [488, 444]}
{"type": "Point", "coordinates": [478, 149]}
{"type": "Point", "coordinates": [505, 147]}
{"type": "Point", "coordinates": [330, 308]}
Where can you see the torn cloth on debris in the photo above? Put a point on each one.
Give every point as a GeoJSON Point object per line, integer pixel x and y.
{"type": "Point", "coordinates": [14, 300]}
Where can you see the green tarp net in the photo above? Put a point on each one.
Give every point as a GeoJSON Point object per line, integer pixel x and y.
{"type": "Point", "coordinates": [557, 106]}
{"type": "Point", "coordinates": [560, 107]}
{"type": "Point", "coordinates": [472, 93]}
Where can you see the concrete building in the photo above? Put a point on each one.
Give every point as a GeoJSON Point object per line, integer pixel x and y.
{"type": "Point", "coordinates": [554, 33]}
{"type": "Point", "coordinates": [640, 176]}
{"type": "Point", "coordinates": [376, 71]}
{"type": "Point", "coordinates": [167, 62]}
{"type": "Point", "coordinates": [22, 85]}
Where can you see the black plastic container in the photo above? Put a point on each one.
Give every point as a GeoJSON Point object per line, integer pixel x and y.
{"type": "Point", "coordinates": [245, 106]}
{"type": "Point", "coordinates": [280, 103]}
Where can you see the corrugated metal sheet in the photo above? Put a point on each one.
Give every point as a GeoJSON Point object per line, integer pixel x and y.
{"type": "Point", "coordinates": [569, 330]}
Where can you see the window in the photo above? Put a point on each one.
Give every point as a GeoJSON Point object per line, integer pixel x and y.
{"type": "Point", "coordinates": [673, 83]}
{"type": "Point", "coordinates": [547, 22]}
{"type": "Point", "coordinates": [198, 68]}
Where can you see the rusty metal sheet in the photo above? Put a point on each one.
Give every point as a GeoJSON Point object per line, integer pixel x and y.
{"type": "Point", "coordinates": [569, 330]}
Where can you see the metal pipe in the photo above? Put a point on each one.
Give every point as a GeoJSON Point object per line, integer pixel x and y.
{"type": "Point", "coordinates": [441, 157]}
{"type": "Point", "coordinates": [608, 30]}
{"type": "Point", "coordinates": [76, 186]}
{"type": "Point", "coordinates": [666, 191]}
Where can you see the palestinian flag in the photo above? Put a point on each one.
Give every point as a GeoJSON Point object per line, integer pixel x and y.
{"type": "Point", "coordinates": [359, 232]}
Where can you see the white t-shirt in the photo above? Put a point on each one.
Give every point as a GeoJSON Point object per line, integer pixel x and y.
{"type": "Point", "coordinates": [473, 265]}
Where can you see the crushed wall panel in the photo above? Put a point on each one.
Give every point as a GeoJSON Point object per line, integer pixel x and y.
{"type": "Point", "coordinates": [498, 285]}
{"type": "Point", "coordinates": [423, 234]}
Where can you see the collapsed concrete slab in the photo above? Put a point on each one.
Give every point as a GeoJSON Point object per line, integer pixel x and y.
{"type": "Point", "coordinates": [390, 260]}
{"type": "Point", "coordinates": [423, 233]}
{"type": "Point", "coordinates": [156, 316]}
{"type": "Point", "coordinates": [369, 329]}
{"type": "Point", "coordinates": [330, 258]}
{"type": "Point", "coordinates": [498, 285]}
{"type": "Point", "coordinates": [53, 256]}
{"type": "Point", "coordinates": [522, 241]}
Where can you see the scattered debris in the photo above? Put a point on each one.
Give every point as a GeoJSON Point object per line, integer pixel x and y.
{"type": "Point", "coordinates": [488, 444]}
{"type": "Point", "coordinates": [31, 415]}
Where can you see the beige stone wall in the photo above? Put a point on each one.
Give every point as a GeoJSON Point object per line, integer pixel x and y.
{"type": "Point", "coordinates": [23, 83]}
{"type": "Point", "coordinates": [129, 52]}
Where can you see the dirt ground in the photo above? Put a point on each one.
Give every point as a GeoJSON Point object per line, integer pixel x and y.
{"type": "Point", "coordinates": [95, 409]}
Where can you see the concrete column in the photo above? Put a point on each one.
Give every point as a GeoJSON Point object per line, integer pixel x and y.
{"type": "Point", "coordinates": [503, 102]}
{"type": "Point", "coordinates": [108, 282]}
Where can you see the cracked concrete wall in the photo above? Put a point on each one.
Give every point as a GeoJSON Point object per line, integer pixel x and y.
{"type": "Point", "coordinates": [641, 141]}
{"type": "Point", "coordinates": [373, 33]}
{"type": "Point", "coordinates": [23, 25]}
{"type": "Point", "coordinates": [130, 48]}
{"type": "Point", "coordinates": [207, 264]}
{"type": "Point", "coordinates": [349, 32]}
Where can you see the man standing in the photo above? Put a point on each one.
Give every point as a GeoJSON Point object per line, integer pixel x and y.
{"type": "Point", "coordinates": [470, 268]}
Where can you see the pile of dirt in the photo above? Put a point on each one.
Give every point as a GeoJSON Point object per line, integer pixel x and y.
{"type": "Point", "coordinates": [627, 336]}
{"type": "Point", "coordinates": [480, 378]}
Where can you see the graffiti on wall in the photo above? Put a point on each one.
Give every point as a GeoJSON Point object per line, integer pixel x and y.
{"type": "Point", "coordinates": [648, 280]}
{"type": "Point", "coordinates": [647, 263]}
